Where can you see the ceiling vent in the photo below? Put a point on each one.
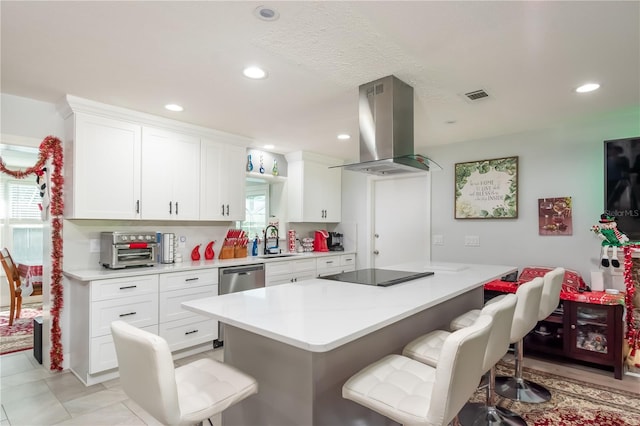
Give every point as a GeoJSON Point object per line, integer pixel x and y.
{"type": "Point", "coordinates": [476, 95]}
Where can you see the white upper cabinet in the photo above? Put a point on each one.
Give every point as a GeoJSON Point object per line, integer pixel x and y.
{"type": "Point", "coordinates": [315, 190]}
{"type": "Point", "coordinates": [102, 170]}
{"type": "Point", "coordinates": [123, 164]}
{"type": "Point", "coordinates": [170, 175]}
{"type": "Point", "coordinates": [222, 182]}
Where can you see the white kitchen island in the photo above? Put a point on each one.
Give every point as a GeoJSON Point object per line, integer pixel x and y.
{"type": "Point", "coordinates": [302, 341]}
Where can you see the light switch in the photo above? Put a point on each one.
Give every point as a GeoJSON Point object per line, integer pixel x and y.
{"type": "Point", "coordinates": [471, 240]}
{"type": "Point", "coordinates": [438, 240]}
{"type": "Point", "coordinates": [94, 246]}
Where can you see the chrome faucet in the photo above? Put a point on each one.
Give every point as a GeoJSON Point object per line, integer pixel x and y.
{"type": "Point", "coordinates": [273, 235]}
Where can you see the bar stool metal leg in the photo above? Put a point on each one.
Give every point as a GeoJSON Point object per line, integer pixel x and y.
{"type": "Point", "coordinates": [518, 389]}
{"type": "Point", "coordinates": [489, 414]}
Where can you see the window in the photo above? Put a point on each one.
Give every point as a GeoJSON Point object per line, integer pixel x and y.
{"type": "Point", "coordinates": [257, 209]}
{"type": "Point", "coordinates": [20, 222]}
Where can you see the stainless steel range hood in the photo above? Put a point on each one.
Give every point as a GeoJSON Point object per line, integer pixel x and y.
{"type": "Point", "coordinates": [386, 130]}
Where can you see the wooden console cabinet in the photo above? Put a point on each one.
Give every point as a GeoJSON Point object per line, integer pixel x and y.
{"type": "Point", "coordinates": [580, 331]}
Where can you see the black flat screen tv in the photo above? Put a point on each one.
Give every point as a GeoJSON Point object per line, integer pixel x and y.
{"type": "Point", "coordinates": [622, 184]}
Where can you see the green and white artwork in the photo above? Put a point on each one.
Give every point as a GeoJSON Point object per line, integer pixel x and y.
{"type": "Point", "coordinates": [487, 189]}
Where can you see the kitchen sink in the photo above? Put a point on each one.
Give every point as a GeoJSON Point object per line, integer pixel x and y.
{"type": "Point", "coordinates": [271, 256]}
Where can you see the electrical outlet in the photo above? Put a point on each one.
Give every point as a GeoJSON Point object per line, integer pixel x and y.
{"type": "Point", "coordinates": [472, 240]}
{"type": "Point", "coordinates": [182, 241]}
{"type": "Point", "coordinates": [94, 246]}
{"type": "Point", "coordinates": [438, 240]}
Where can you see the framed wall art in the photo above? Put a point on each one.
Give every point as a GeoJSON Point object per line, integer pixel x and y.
{"type": "Point", "coordinates": [554, 216]}
{"type": "Point", "coordinates": [487, 189]}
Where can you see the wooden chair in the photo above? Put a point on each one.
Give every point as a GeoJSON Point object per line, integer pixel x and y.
{"type": "Point", "coordinates": [15, 285]}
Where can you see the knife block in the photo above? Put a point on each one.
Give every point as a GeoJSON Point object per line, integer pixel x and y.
{"type": "Point", "coordinates": [227, 252]}
{"type": "Point", "coordinates": [240, 251]}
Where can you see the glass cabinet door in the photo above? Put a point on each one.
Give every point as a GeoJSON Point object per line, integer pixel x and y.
{"type": "Point", "coordinates": [591, 329]}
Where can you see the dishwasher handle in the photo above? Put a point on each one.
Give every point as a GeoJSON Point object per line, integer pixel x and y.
{"type": "Point", "coordinates": [242, 270]}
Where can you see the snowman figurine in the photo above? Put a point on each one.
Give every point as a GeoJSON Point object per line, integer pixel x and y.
{"type": "Point", "coordinates": [611, 238]}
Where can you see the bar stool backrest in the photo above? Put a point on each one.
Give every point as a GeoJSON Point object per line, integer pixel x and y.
{"type": "Point", "coordinates": [525, 317]}
{"type": "Point", "coordinates": [502, 313]}
{"type": "Point", "coordinates": [550, 292]}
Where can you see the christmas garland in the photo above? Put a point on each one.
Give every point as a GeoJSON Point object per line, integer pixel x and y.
{"type": "Point", "coordinates": [632, 327]}
{"type": "Point", "coordinates": [51, 147]}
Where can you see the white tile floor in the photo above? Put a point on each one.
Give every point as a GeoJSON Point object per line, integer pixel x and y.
{"type": "Point", "coordinates": [31, 395]}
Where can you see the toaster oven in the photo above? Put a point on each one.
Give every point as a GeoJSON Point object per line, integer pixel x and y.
{"type": "Point", "coordinates": [123, 249]}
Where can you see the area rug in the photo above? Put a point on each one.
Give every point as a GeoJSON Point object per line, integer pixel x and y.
{"type": "Point", "coordinates": [19, 336]}
{"type": "Point", "coordinates": [573, 402]}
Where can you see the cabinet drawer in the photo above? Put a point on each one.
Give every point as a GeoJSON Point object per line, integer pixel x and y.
{"type": "Point", "coordinates": [123, 287]}
{"type": "Point", "coordinates": [103, 352]}
{"type": "Point", "coordinates": [304, 265]}
{"type": "Point", "coordinates": [141, 311]}
{"type": "Point", "coordinates": [348, 260]}
{"type": "Point", "coordinates": [189, 332]}
{"type": "Point", "coordinates": [278, 268]}
{"type": "Point", "coordinates": [180, 280]}
{"type": "Point", "coordinates": [328, 263]}
{"type": "Point", "coordinates": [170, 301]}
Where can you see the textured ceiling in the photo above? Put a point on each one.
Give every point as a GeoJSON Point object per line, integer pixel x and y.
{"type": "Point", "coordinates": [529, 56]}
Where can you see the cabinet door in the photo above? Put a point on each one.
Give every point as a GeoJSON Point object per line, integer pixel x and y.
{"type": "Point", "coordinates": [314, 191]}
{"type": "Point", "coordinates": [170, 175]}
{"type": "Point", "coordinates": [333, 196]}
{"type": "Point", "coordinates": [595, 333]}
{"type": "Point", "coordinates": [222, 181]}
{"type": "Point", "coordinates": [105, 169]}
{"type": "Point", "coordinates": [233, 182]}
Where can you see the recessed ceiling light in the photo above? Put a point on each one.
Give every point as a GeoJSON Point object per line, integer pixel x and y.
{"type": "Point", "coordinates": [269, 146]}
{"type": "Point", "coordinates": [266, 13]}
{"type": "Point", "coordinates": [589, 87]}
{"type": "Point", "coordinates": [174, 107]}
{"type": "Point", "coordinates": [344, 136]}
{"type": "Point", "coordinates": [255, 73]}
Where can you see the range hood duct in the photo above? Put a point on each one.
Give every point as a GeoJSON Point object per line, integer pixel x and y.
{"type": "Point", "coordinates": [386, 130]}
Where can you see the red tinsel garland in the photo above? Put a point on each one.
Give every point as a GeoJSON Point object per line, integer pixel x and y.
{"type": "Point", "coordinates": [632, 327]}
{"type": "Point", "coordinates": [51, 147]}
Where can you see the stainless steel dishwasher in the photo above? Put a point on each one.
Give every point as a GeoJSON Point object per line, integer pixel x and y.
{"type": "Point", "coordinates": [234, 279]}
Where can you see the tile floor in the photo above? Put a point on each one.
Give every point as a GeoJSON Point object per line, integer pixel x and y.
{"type": "Point", "coordinates": [31, 395]}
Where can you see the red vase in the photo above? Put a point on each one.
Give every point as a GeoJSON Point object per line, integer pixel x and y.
{"type": "Point", "coordinates": [208, 252]}
{"type": "Point", "coordinates": [195, 253]}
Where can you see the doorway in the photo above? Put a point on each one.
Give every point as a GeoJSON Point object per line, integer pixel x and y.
{"type": "Point", "coordinates": [401, 220]}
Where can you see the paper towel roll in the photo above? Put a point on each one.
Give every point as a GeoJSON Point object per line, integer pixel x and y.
{"type": "Point", "coordinates": [597, 281]}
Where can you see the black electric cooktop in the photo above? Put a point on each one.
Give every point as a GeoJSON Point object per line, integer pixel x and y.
{"type": "Point", "coordinates": [378, 277]}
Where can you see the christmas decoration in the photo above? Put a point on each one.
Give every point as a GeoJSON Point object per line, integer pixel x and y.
{"type": "Point", "coordinates": [632, 327]}
{"type": "Point", "coordinates": [50, 149]}
{"type": "Point", "coordinates": [611, 238]}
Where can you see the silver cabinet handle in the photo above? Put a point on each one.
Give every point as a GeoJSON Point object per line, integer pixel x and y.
{"type": "Point", "coordinates": [190, 332]}
{"type": "Point", "coordinates": [191, 279]}
{"type": "Point", "coordinates": [137, 206]}
{"type": "Point", "coordinates": [227, 209]}
{"type": "Point", "coordinates": [176, 207]}
{"type": "Point", "coordinates": [127, 314]}
{"type": "Point", "coordinates": [376, 252]}
{"type": "Point", "coordinates": [170, 207]}
{"type": "Point", "coordinates": [222, 209]}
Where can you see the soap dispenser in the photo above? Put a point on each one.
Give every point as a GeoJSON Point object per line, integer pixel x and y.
{"type": "Point", "coordinates": [254, 249]}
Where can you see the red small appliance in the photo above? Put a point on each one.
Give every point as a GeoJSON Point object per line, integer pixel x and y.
{"type": "Point", "coordinates": [320, 241]}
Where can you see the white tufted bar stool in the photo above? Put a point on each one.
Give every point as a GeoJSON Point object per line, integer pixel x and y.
{"type": "Point", "coordinates": [185, 395]}
{"type": "Point", "coordinates": [427, 349]}
{"type": "Point", "coordinates": [517, 388]}
{"type": "Point", "coordinates": [413, 393]}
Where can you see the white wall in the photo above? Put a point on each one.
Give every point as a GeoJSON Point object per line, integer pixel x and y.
{"type": "Point", "coordinates": [564, 161]}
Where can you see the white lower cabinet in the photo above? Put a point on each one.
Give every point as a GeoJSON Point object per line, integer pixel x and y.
{"type": "Point", "coordinates": [289, 271]}
{"type": "Point", "coordinates": [179, 327]}
{"type": "Point", "coordinates": [150, 302]}
{"type": "Point", "coordinates": [328, 265]}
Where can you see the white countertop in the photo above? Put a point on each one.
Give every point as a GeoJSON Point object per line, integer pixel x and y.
{"type": "Point", "coordinates": [319, 315]}
{"type": "Point", "coordinates": [101, 273]}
